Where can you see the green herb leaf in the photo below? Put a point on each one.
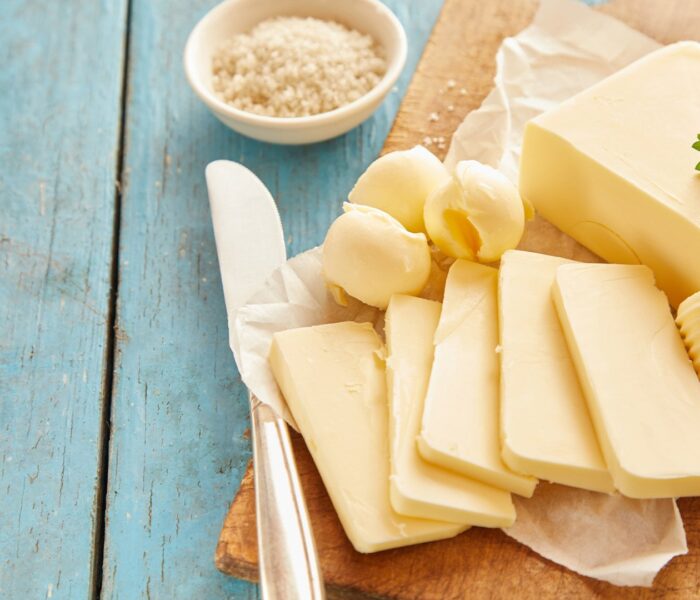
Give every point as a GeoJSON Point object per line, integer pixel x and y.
{"type": "Point", "coordinates": [697, 167]}
{"type": "Point", "coordinates": [696, 145]}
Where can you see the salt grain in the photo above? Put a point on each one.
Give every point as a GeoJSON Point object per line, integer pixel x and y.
{"type": "Point", "coordinates": [434, 117]}
{"type": "Point", "coordinates": [296, 67]}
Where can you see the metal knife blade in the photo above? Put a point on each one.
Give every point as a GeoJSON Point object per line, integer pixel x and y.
{"type": "Point", "coordinates": [248, 233]}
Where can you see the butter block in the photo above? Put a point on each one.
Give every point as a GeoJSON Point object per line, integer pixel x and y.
{"type": "Point", "coordinates": [688, 321]}
{"type": "Point", "coordinates": [419, 489]}
{"type": "Point", "coordinates": [460, 427]}
{"type": "Point", "coordinates": [333, 379]}
{"type": "Point", "coordinates": [545, 425]}
{"type": "Point", "coordinates": [641, 390]}
{"type": "Point", "coordinates": [613, 167]}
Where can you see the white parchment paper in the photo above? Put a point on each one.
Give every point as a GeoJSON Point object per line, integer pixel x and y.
{"type": "Point", "coordinates": [612, 538]}
{"type": "Point", "coordinates": [566, 49]}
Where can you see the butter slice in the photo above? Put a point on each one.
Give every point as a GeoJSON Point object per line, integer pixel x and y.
{"type": "Point", "coordinates": [641, 389]}
{"type": "Point", "coordinates": [333, 379]}
{"type": "Point", "coordinates": [460, 429]}
{"type": "Point", "coordinates": [613, 167]}
{"type": "Point", "coordinates": [545, 425]}
{"type": "Point", "coordinates": [419, 489]}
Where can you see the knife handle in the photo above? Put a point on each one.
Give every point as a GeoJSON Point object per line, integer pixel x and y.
{"type": "Point", "coordinates": [288, 562]}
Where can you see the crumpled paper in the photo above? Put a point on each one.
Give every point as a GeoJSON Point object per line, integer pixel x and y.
{"type": "Point", "coordinates": [612, 538]}
{"type": "Point", "coordinates": [566, 49]}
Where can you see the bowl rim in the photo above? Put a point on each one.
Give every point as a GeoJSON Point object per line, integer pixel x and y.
{"type": "Point", "coordinates": [374, 95]}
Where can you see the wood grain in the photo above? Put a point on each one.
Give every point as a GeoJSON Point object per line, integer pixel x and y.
{"type": "Point", "coordinates": [480, 563]}
{"type": "Point", "coordinates": [462, 49]}
{"type": "Point", "coordinates": [60, 118]}
{"type": "Point", "coordinates": [178, 449]}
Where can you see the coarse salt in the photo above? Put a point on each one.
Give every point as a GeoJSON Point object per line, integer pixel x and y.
{"type": "Point", "coordinates": [296, 67]}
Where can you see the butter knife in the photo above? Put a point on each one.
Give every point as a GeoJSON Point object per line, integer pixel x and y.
{"type": "Point", "coordinates": [250, 246]}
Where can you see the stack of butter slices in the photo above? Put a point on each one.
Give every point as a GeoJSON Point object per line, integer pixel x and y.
{"type": "Point", "coordinates": [525, 367]}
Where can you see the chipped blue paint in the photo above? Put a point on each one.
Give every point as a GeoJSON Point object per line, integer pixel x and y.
{"type": "Point", "coordinates": [60, 115]}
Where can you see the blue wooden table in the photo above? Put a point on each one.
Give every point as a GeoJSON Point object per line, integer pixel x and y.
{"type": "Point", "coordinates": [122, 418]}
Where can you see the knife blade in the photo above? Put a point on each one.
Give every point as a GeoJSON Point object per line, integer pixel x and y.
{"type": "Point", "coordinates": [248, 233]}
{"type": "Point", "coordinates": [250, 246]}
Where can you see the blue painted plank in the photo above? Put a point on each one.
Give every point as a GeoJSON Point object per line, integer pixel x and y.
{"type": "Point", "coordinates": [60, 107]}
{"type": "Point", "coordinates": [178, 448]}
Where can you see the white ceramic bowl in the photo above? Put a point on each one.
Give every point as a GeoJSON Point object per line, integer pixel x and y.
{"type": "Point", "coordinates": [238, 16]}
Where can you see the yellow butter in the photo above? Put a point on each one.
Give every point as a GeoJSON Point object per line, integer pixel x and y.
{"type": "Point", "coordinates": [369, 255]}
{"type": "Point", "coordinates": [332, 377]}
{"type": "Point", "coordinates": [613, 167]}
{"type": "Point", "coordinates": [545, 425]}
{"type": "Point", "coordinates": [399, 183]}
{"type": "Point", "coordinates": [688, 321]}
{"type": "Point", "coordinates": [418, 488]}
{"type": "Point", "coordinates": [476, 214]}
{"type": "Point", "coordinates": [640, 387]}
{"type": "Point", "coordinates": [460, 427]}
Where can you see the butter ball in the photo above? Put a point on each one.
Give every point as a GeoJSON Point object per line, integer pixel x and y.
{"type": "Point", "coordinates": [369, 255]}
{"type": "Point", "coordinates": [477, 214]}
{"type": "Point", "coordinates": [399, 183]}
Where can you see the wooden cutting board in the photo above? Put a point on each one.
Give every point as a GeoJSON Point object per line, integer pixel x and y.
{"type": "Point", "coordinates": [480, 563]}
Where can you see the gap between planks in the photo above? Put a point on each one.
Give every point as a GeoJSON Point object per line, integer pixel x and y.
{"type": "Point", "coordinates": [96, 575]}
